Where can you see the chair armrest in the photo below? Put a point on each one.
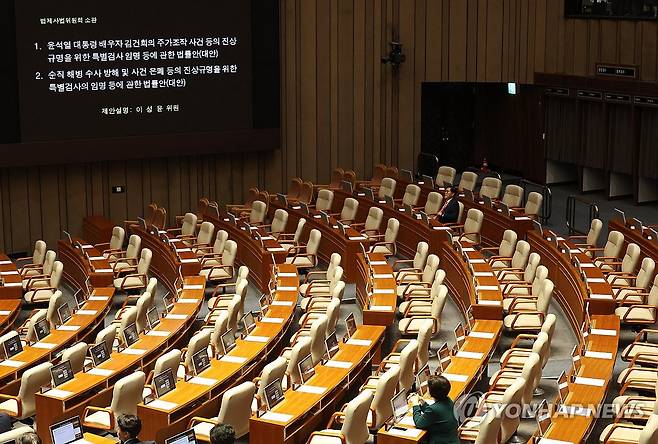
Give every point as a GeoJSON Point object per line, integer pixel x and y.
{"type": "Point", "coordinates": [91, 408]}
{"type": "Point", "coordinates": [19, 404]}
{"type": "Point", "coordinates": [197, 420]}
{"type": "Point", "coordinates": [141, 276]}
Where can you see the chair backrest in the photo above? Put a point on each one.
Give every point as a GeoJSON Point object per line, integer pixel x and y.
{"type": "Point", "coordinates": [127, 317]}
{"type": "Point", "coordinates": [206, 231]}
{"type": "Point", "coordinates": [594, 232]}
{"type": "Point", "coordinates": [333, 312]}
{"type": "Point", "coordinates": [520, 256]}
{"type": "Point", "coordinates": [280, 221]}
{"type": "Point", "coordinates": [350, 176]}
{"type": "Point", "coordinates": [38, 315]}
{"type": "Point", "coordinates": [653, 292]}
{"type": "Point", "coordinates": [49, 262]}
{"type": "Point", "coordinates": [513, 396]}
{"type": "Point", "coordinates": [433, 203]}
{"type": "Point", "coordinates": [541, 274]}
{"type": "Point", "coordinates": [219, 328]}
{"type": "Point", "coordinates": [118, 236]}
{"type": "Point", "coordinates": [300, 228]}
{"type": "Point", "coordinates": [334, 262]}
{"type": "Point", "coordinates": [513, 196]}
{"type": "Point", "coordinates": [533, 205]}
{"type": "Point", "coordinates": [258, 212]}
{"type": "Point", "coordinates": [31, 382]}
{"type": "Point", "coordinates": [461, 212]}
{"type": "Point", "coordinates": [384, 392]}
{"type": "Point", "coordinates": [508, 243]}
{"type": "Point", "coordinates": [39, 254]}
{"type": "Point", "coordinates": [56, 275]}
{"type": "Point", "coordinates": [143, 304]}
{"type": "Point", "coordinates": [445, 175]}
{"type": "Point", "coordinates": [408, 357]}
{"type": "Point", "coordinates": [649, 434]}
{"type": "Point", "coordinates": [489, 428]}
{"type": "Point", "coordinates": [531, 268]}
{"type": "Point", "coordinates": [234, 312]}
{"type": "Point", "coordinates": [134, 246]}
{"type": "Point", "coordinates": [236, 407]}
{"type": "Point", "coordinates": [169, 360]}
{"type": "Point", "coordinates": [391, 171]}
{"type": "Point", "coordinates": [318, 333]}
{"type": "Point", "coordinates": [378, 173]}
{"type": "Point", "coordinates": [314, 238]}
{"type": "Point", "coordinates": [324, 200]}
{"type": "Point", "coordinates": [473, 224]}
{"type": "Point", "coordinates": [420, 258]}
{"type": "Point", "coordinates": [199, 341]}
{"type": "Point", "coordinates": [252, 195]}
{"type": "Point", "coordinates": [430, 268]}
{"type": "Point", "coordinates": [439, 277]}
{"type": "Point", "coordinates": [424, 337]}
{"type": "Point", "coordinates": [548, 326]}
{"type": "Point", "coordinates": [201, 207]}
{"type": "Point", "coordinates": [614, 244]}
{"type": "Point", "coordinates": [350, 207]}
{"type": "Point", "coordinates": [411, 195]}
{"type": "Point", "coordinates": [545, 296]}
{"type": "Point", "coordinates": [336, 176]}
{"type": "Point", "coordinates": [127, 394]}
{"type": "Point", "coordinates": [306, 195]}
{"type": "Point", "coordinates": [467, 181]}
{"type": "Point", "coordinates": [631, 258]}
{"type": "Point", "coordinates": [271, 372]}
{"type": "Point", "coordinates": [220, 242]}
{"type": "Point", "coordinates": [230, 251]}
{"type": "Point", "coordinates": [295, 187]}
{"type": "Point", "coordinates": [392, 229]}
{"type": "Point", "coordinates": [160, 218]}
{"type": "Point", "coordinates": [386, 188]}
{"type": "Point", "coordinates": [56, 301]}
{"type": "Point", "coordinates": [542, 347]}
{"type": "Point", "coordinates": [189, 224]}
{"type": "Point", "coordinates": [144, 261]}
{"type": "Point", "coordinates": [531, 367]}
{"type": "Point", "coordinates": [76, 354]}
{"type": "Point", "coordinates": [438, 302]}
{"type": "Point", "coordinates": [107, 335]}
{"type": "Point", "coordinates": [491, 187]}
{"type": "Point", "coordinates": [299, 351]}
{"type": "Point", "coordinates": [644, 275]}
{"type": "Point", "coordinates": [337, 285]}
{"type": "Point", "coordinates": [355, 425]}
{"type": "Point", "coordinates": [374, 219]}
{"type": "Point", "coordinates": [150, 212]}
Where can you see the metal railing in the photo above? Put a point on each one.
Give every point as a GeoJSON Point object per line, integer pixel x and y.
{"type": "Point", "coordinates": [573, 204]}
{"type": "Point", "coordinates": [547, 202]}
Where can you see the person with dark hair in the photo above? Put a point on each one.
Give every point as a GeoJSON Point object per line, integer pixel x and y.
{"type": "Point", "coordinates": [5, 422]}
{"type": "Point", "coordinates": [29, 438]}
{"type": "Point", "coordinates": [449, 212]}
{"type": "Point", "coordinates": [222, 434]}
{"type": "Point", "coordinates": [128, 427]}
{"type": "Point", "coordinates": [437, 418]}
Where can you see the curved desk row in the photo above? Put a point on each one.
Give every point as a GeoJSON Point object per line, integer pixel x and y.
{"type": "Point", "coordinates": [376, 289]}
{"type": "Point", "coordinates": [11, 284]}
{"type": "Point", "coordinates": [643, 237]}
{"type": "Point", "coordinates": [84, 265]}
{"type": "Point", "coordinates": [201, 395]}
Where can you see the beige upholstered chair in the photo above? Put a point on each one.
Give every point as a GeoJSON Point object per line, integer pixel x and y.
{"type": "Point", "coordinates": [324, 200]}
{"type": "Point", "coordinates": [76, 354]}
{"type": "Point", "coordinates": [279, 222]}
{"type": "Point", "coordinates": [411, 324]}
{"type": "Point", "coordinates": [168, 361]}
{"type": "Point", "coordinates": [610, 251]}
{"type": "Point", "coordinates": [234, 410]}
{"type": "Point", "coordinates": [423, 296]}
{"type": "Point", "coordinates": [29, 334]}
{"type": "Point", "coordinates": [128, 317]}
{"type": "Point", "coordinates": [386, 244]}
{"type": "Point", "coordinates": [380, 407]}
{"type": "Point", "coordinates": [491, 187]}
{"type": "Point", "coordinates": [52, 314]}
{"type": "Point", "coordinates": [36, 294]}
{"type": "Point", "coordinates": [126, 395]}
{"type": "Point", "coordinates": [405, 362]}
{"type": "Point", "coordinates": [636, 407]}
{"type": "Point", "coordinates": [423, 338]}
{"type": "Point", "coordinates": [271, 372]}
{"type": "Point", "coordinates": [530, 371]}
{"type": "Point", "coordinates": [213, 255]}
{"type": "Point", "coordinates": [203, 238]}
{"type": "Point", "coordinates": [138, 279]}
{"type": "Point", "coordinates": [415, 265]}
{"type": "Point", "coordinates": [258, 212]}
{"type": "Point", "coordinates": [410, 280]}
{"type": "Point", "coordinates": [517, 262]}
{"type": "Point", "coordinates": [514, 356]}
{"type": "Point", "coordinates": [645, 313]}
{"type": "Point", "coordinates": [470, 232]}
{"type": "Point", "coordinates": [467, 181]}
{"type": "Point", "coordinates": [318, 298]}
{"type": "Point", "coordinates": [318, 335]}
{"type": "Point", "coordinates": [107, 335]}
{"type": "Point", "coordinates": [625, 267]}
{"type": "Point", "coordinates": [446, 176]}
{"type": "Point", "coordinates": [423, 305]}
{"type": "Point", "coordinates": [592, 237]}
{"type": "Point", "coordinates": [188, 228]}
{"type": "Point", "coordinates": [348, 213]}
{"type": "Point", "coordinates": [513, 396]}
{"type": "Point", "coordinates": [533, 205]}
{"type": "Point", "coordinates": [15, 433]}
{"type": "Point", "coordinates": [629, 288]}
{"type": "Point", "coordinates": [33, 265]}
{"type": "Point", "coordinates": [373, 222]}
{"type": "Point", "coordinates": [515, 283]}
{"type": "Point", "coordinates": [354, 429]}
{"type": "Point", "coordinates": [433, 203]}
{"type": "Point", "coordinates": [530, 315]}
{"type": "Point", "coordinates": [506, 246]}
{"type": "Point", "coordinates": [113, 249]}
{"type": "Point", "coordinates": [23, 405]}
{"type": "Point", "coordinates": [225, 269]}
{"type": "Point", "coordinates": [199, 341]}
{"type": "Point", "coordinates": [294, 355]}
{"type": "Point", "coordinates": [37, 276]}
{"type": "Point", "coordinates": [221, 295]}
{"type": "Point", "coordinates": [305, 256]}
{"type": "Point", "coordinates": [485, 432]}
{"type": "Point", "coordinates": [386, 188]}
{"type": "Point", "coordinates": [629, 433]}
{"type": "Point", "coordinates": [331, 311]}
{"type": "Point", "coordinates": [289, 240]}
{"type": "Point", "coordinates": [128, 258]}
{"type": "Point", "coordinates": [321, 278]}
{"type": "Point", "coordinates": [411, 195]}
{"type": "Point", "coordinates": [217, 328]}
{"type": "Point", "coordinates": [513, 196]}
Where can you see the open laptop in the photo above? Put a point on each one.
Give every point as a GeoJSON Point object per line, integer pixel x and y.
{"type": "Point", "coordinates": [620, 215]}
{"type": "Point", "coordinates": [346, 185]}
{"type": "Point", "coordinates": [306, 369]}
{"type": "Point", "coordinates": [563, 388]}
{"type": "Point", "coordinates": [636, 224]}
{"type": "Point", "coordinates": [505, 208]}
{"type": "Point", "coordinates": [487, 201]}
{"type": "Point", "coordinates": [350, 325]}
{"type": "Point", "coordinates": [67, 432]}
{"type": "Point", "coordinates": [228, 341]}
{"type": "Point", "coordinates": [444, 357]}
{"type": "Point", "coordinates": [130, 334]}
{"type": "Point", "coordinates": [187, 437]}
{"type": "Point", "coordinates": [152, 317]}
{"type": "Point", "coordinates": [468, 195]}
{"type": "Point", "coordinates": [422, 377]}
{"type": "Point", "coordinates": [341, 227]}
{"type": "Point", "coordinates": [68, 236]}
{"type": "Point", "coordinates": [543, 418]}
{"type": "Point", "coordinates": [427, 181]}
{"type": "Point", "coordinates": [142, 223]}
{"type": "Point", "coordinates": [64, 312]}
{"type": "Point", "coordinates": [406, 175]}
{"type": "Point", "coordinates": [61, 373]}
{"type": "Point", "coordinates": [305, 208]}
{"type": "Point", "coordinates": [460, 335]}
{"type": "Point", "coordinates": [231, 218]}
{"type": "Point", "coordinates": [331, 344]}
{"type": "Point", "coordinates": [80, 298]}
{"type": "Point", "coordinates": [248, 321]}
{"type": "Point", "coordinates": [273, 394]}
{"type": "Point", "coordinates": [99, 353]}
{"type": "Point", "coordinates": [164, 382]}
{"type": "Point", "coordinates": [408, 209]}
{"type": "Point", "coordinates": [168, 302]}
{"type": "Point", "coordinates": [424, 217]}
{"type": "Point", "coordinates": [324, 217]}
{"type": "Point", "coordinates": [389, 201]}
{"type": "Point", "coordinates": [41, 329]}
{"type": "Point", "coordinates": [369, 193]}
{"type": "Point", "coordinates": [283, 199]}
{"type": "Point", "coordinates": [400, 406]}
{"type": "Point", "coordinates": [12, 346]}
{"type": "Point", "coordinates": [200, 361]}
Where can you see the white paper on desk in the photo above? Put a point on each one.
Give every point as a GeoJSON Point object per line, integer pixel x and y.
{"type": "Point", "coordinates": [178, 317]}
{"type": "Point", "coordinates": [522, 218]}
{"type": "Point", "coordinates": [411, 433]}
{"type": "Point", "coordinates": [468, 249]}
{"type": "Point", "coordinates": [287, 289]}
{"type": "Point", "coordinates": [283, 303]}
{"type": "Point", "coordinates": [573, 410]}
{"type": "Point", "coordinates": [162, 405]}
{"type": "Point", "coordinates": [487, 288]}
{"type": "Point", "coordinates": [175, 240]}
{"type": "Point", "coordinates": [272, 320]}
{"type": "Point", "coordinates": [198, 380]}
{"type": "Point", "coordinates": [481, 335]}
{"type": "Point", "coordinates": [286, 275]}
{"type": "Point", "coordinates": [590, 381]}
{"type": "Point", "coordinates": [455, 377]}
{"type": "Point", "coordinates": [192, 287]}
{"type": "Point", "coordinates": [598, 355]}
{"type": "Point", "coordinates": [133, 351]}
{"type": "Point", "coordinates": [5, 262]}
{"type": "Point", "coordinates": [266, 238]}
{"type": "Point", "coordinates": [574, 251]}
{"type": "Point", "coordinates": [359, 342]}
{"type": "Point", "coordinates": [596, 280]}
{"type": "Point", "coordinates": [96, 258]}
{"type": "Point", "coordinates": [357, 238]}
{"type": "Point", "coordinates": [68, 327]}
{"type": "Point", "coordinates": [101, 372]}
{"type": "Point", "coordinates": [189, 261]}
{"type": "Point", "coordinates": [158, 333]}
{"type": "Point", "coordinates": [488, 302]}
{"type": "Point", "coordinates": [553, 441]}
{"type": "Point", "coordinates": [8, 273]}
{"type": "Point", "coordinates": [87, 246]}
{"type": "Point", "coordinates": [13, 284]}
{"type": "Point", "coordinates": [383, 291]}
{"type": "Point", "coordinates": [560, 238]}
{"type": "Point", "coordinates": [378, 262]}
{"type": "Point", "coordinates": [187, 301]}
{"type": "Point", "coordinates": [484, 274]}
{"type": "Point", "coordinates": [46, 345]}
{"type": "Point", "coordinates": [441, 228]}
{"type": "Point", "coordinates": [11, 363]}
{"type": "Point", "coordinates": [277, 417]}
{"type": "Point", "coordinates": [587, 265]}
{"type": "Point", "coordinates": [274, 249]}
{"type": "Point", "coordinates": [103, 270]}
{"type": "Point", "coordinates": [477, 261]}
{"type": "Point", "coordinates": [380, 308]}
{"type": "Point", "coordinates": [86, 312]}
{"type": "Point", "coordinates": [254, 338]}
{"type": "Point", "coordinates": [59, 394]}
{"type": "Point", "coordinates": [5, 312]}
{"type": "Point", "coordinates": [600, 296]}
{"type": "Point", "coordinates": [469, 355]}
{"type": "Point", "coordinates": [383, 276]}
{"type": "Point", "coordinates": [602, 332]}
{"type": "Point", "coordinates": [233, 359]}
{"type": "Point", "coordinates": [183, 250]}
{"type": "Point", "coordinates": [311, 389]}
{"type": "Point", "coordinates": [338, 364]}
{"type": "Point", "coordinates": [98, 298]}
{"type": "Point", "coordinates": [408, 421]}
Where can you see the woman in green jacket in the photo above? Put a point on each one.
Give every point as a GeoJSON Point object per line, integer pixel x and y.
{"type": "Point", "coordinates": [437, 418]}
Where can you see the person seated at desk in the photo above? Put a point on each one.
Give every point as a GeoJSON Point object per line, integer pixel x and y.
{"type": "Point", "coordinates": [29, 438]}
{"type": "Point", "coordinates": [449, 212]}
{"type": "Point", "coordinates": [222, 434]}
{"type": "Point", "coordinates": [437, 418]}
{"type": "Point", "coordinates": [128, 427]}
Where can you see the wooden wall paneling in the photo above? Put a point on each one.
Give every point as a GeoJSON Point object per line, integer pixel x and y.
{"type": "Point", "coordinates": [5, 226]}
{"type": "Point", "coordinates": [580, 44]}
{"type": "Point", "coordinates": [523, 40]}
{"type": "Point", "coordinates": [18, 209]}
{"type": "Point", "coordinates": [358, 93]}
{"type": "Point", "coordinates": [540, 36]}
{"type": "Point", "coordinates": [608, 35]}
{"type": "Point", "coordinates": [368, 89]}
{"type": "Point", "coordinates": [174, 203]}
{"type": "Point", "coordinates": [419, 73]}
{"type": "Point", "coordinates": [569, 50]}
{"type": "Point", "coordinates": [471, 40]}
{"type": "Point", "coordinates": [626, 42]}
{"type": "Point", "coordinates": [551, 44]}
{"type": "Point", "coordinates": [445, 40]}
{"type": "Point", "coordinates": [96, 190]}
{"type": "Point", "coordinates": [406, 82]}
{"type": "Point", "coordinates": [433, 36]}
{"type": "Point", "coordinates": [557, 7]}
{"type": "Point", "coordinates": [648, 44]}
{"type": "Point", "coordinates": [118, 205]}
{"type": "Point", "coordinates": [307, 89]}
{"type": "Point", "coordinates": [221, 180]}
{"type": "Point", "coordinates": [290, 79]}
{"type": "Point", "coordinates": [34, 205]}
{"type": "Point", "coordinates": [50, 220]}
{"type": "Point", "coordinates": [345, 83]}
{"type": "Point", "coordinates": [377, 77]}
{"type": "Point", "coordinates": [494, 40]}
{"type": "Point", "coordinates": [136, 201]}
{"type": "Point", "coordinates": [249, 173]}
{"type": "Point", "coordinates": [188, 200]}
{"type": "Point", "coordinates": [323, 90]}
{"type": "Point", "coordinates": [457, 46]}
{"type": "Point", "coordinates": [594, 47]}
{"type": "Point", "coordinates": [481, 31]}
{"type": "Point", "coordinates": [389, 83]}
{"type": "Point", "coordinates": [506, 39]}
{"type": "Point", "coordinates": [334, 56]}
{"type": "Point", "coordinates": [76, 209]}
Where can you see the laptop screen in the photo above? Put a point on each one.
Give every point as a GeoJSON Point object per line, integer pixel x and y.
{"type": "Point", "coordinates": [130, 334]}
{"type": "Point", "coordinates": [350, 324]}
{"type": "Point", "coordinates": [41, 329]}
{"type": "Point", "coordinates": [273, 394]}
{"type": "Point", "coordinates": [563, 387]}
{"type": "Point", "coordinates": [444, 356]}
{"type": "Point", "coordinates": [200, 361]}
{"type": "Point", "coordinates": [306, 369]}
{"type": "Point", "coordinates": [13, 346]}
{"type": "Point", "coordinates": [80, 298]}
{"type": "Point", "coordinates": [400, 406]}
{"type": "Point", "coordinates": [543, 418]}
{"type": "Point", "coordinates": [389, 201]}
{"type": "Point", "coordinates": [67, 431]}
{"type": "Point", "coordinates": [152, 317]}
{"type": "Point", "coordinates": [460, 335]}
{"type": "Point", "coordinates": [187, 437]}
{"type": "Point", "coordinates": [369, 194]}
{"type": "Point", "coordinates": [331, 342]}
{"type": "Point", "coordinates": [164, 382]}
{"type": "Point", "coordinates": [346, 186]}
{"type": "Point", "coordinates": [283, 200]}
{"type": "Point", "coordinates": [99, 353]}
{"type": "Point", "coordinates": [421, 380]}
{"type": "Point", "coordinates": [64, 312]}
{"type": "Point", "coordinates": [61, 373]}
{"type": "Point", "coordinates": [228, 341]}
{"type": "Point", "coordinates": [248, 322]}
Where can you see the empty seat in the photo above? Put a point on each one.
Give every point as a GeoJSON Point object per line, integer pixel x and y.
{"type": "Point", "coordinates": [127, 393]}
{"type": "Point", "coordinates": [305, 256]}
{"type": "Point", "coordinates": [491, 187]}
{"type": "Point", "coordinates": [33, 265]}
{"type": "Point", "coordinates": [380, 407]}
{"type": "Point", "coordinates": [625, 267]}
{"type": "Point", "coordinates": [372, 224]}
{"type": "Point", "coordinates": [203, 238]}
{"type": "Point", "coordinates": [533, 205]}
{"type": "Point", "coordinates": [137, 277]}
{"type": "Point", "coordinates": [629, 433]}
{"type": "Point", "coordinates": [271, 372]}
{"type": "Point", "coordinates": [128, 258]}
{"type": "Point", "coordinates": [324, 200]}
{"type": "Point", "coordinates": [513, 196]}
{"type": "Point", "coordinates": [258, 212]}
{"type": "Point", "coordinates": [415, 265]}
{"type": "Point", "coordinates": [446, 176]}
{"type": "Point", "coordinates": [411, 195]}
{"type": "Point", "coordinates": [235, 410]}
{"type": "Point", "coordinates": [611, 251]}
{"type": "Point", "coordinates": [188, 227]}
{"type": "Point", "coordinates": [354, 429]}
{"type": "Point", "coordinates": [470, 231]}
{"type": "Point", "coordinates": [76, 355]}
{"type": "Point", "coordinates": [36, 294]}
{"type": "Point", "coordinates": [412, 324]}
{"type": "Point", "coordinates": [386, 244]}
{"type": "Point", "coordinates": [321, 279]}
{"type": "Point", "coordinates": [592, 237]}
{"type": "Point", "coordinates": [348, 213]}
{"type": "Point", "coordinates": [289, 240]}
{"type": "Point", "coordinates": [214, 272]}
{"type": "Point", "coordinates": [506, 246]}
{"type": "Point", "coordinates": [386, 188]}
{"type": "Point", "coordinates": [23, 405]}
{"type": "Point", "coordinates": [467, 181]}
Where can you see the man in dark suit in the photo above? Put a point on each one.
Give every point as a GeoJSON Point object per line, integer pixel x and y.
{"type": "Point", "coordinates": [222, 434]}
{"type": "Point", "coordinates": [437, 418]}
{"type": "Point", "coordinates": [449, 212]}
{"type": "Point", "coordinates": [128, 427]}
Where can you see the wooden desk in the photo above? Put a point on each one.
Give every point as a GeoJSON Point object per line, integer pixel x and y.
{"type": "Point", "coordinates": [95, 439]}
{"type": "Point", "coordinates": [202, 397]}
{"type": "Point", "coordinates": [648, 246]}
{"type": "Point", "coordinates": [333, 241]}
{"type": "Point", "coordinates": [300, 413]}
{"type": "Point", "coordinates": [253, 254]}
{"type": "Point", "coordinates": [83, 264]}
{"type": "Point", "coordinates": [88, 388]}
{"type": "Point", "coordinates": [376, 291]}
{"type": "Point", "coordinates": [12, 283]}
{"type": "Point", "coordinates": [97, 229]}
{"type": "Point", "coordinates": [9, 311]}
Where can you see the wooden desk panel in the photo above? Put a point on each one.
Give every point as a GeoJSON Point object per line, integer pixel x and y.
{"type": "Point", "coordinates": [9, 311]}
{"type": "Point", "coordinates": [376, 292]}
{"type": "Point", "coordinates": [85, 264]}
{"type": "Point", "coordinates": [648, 247]}
{"type": "Point", "coordinates": [12, 283]}
{"type": "Point", "coordinates": [97, 229]}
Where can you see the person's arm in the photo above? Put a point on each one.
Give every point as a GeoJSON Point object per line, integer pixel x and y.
{"type": "Point", "coordinates": [424, 416]}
